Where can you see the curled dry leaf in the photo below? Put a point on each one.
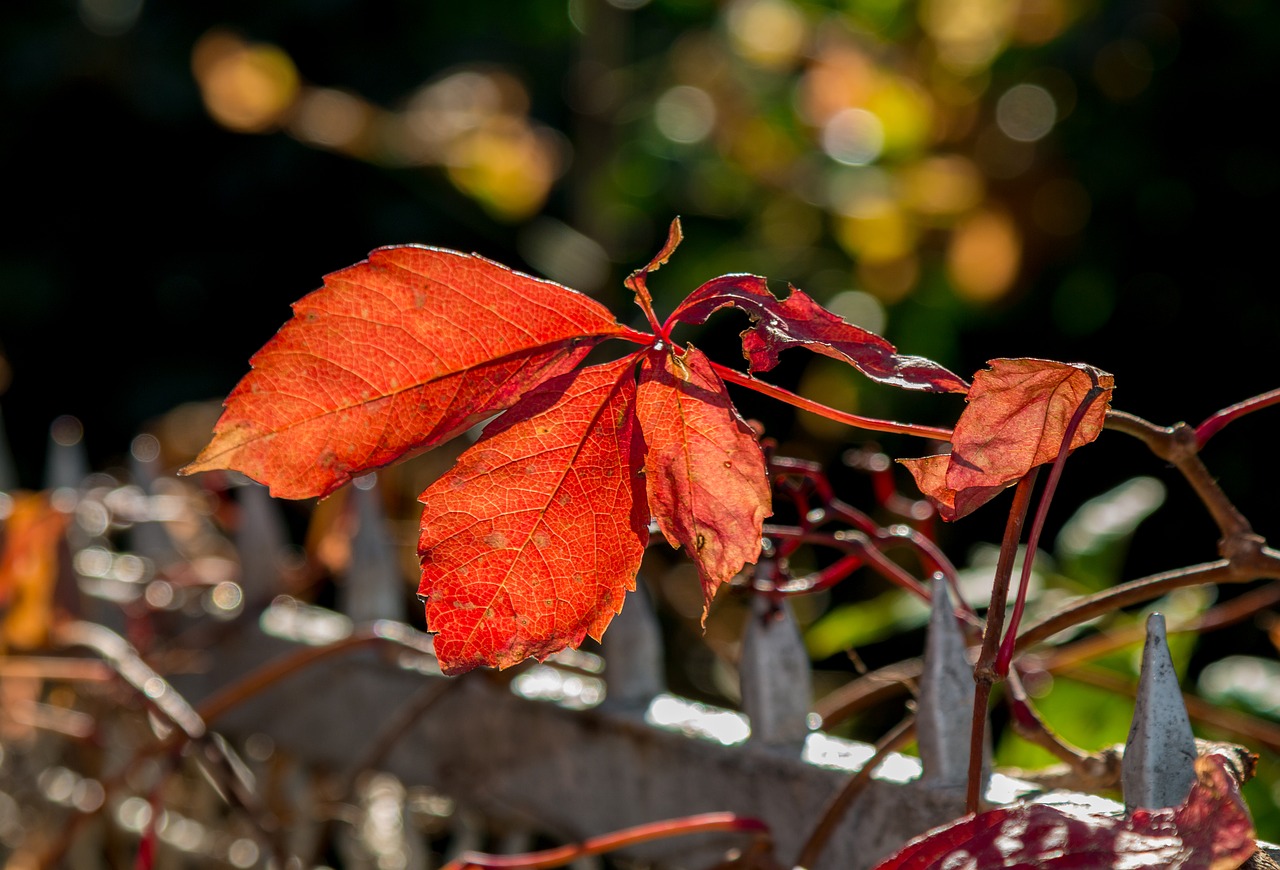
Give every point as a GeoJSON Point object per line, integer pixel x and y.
{"type": "Point", "coordinates": [1017, 414]}
{"type": "Point", "coordinates": [392, 356]}
{"type": "Point", "coordinates": [531, 541]}
{"type": "Point", "coordinates": [1211, 830]}
{"type": "Point", "coordinates": [798, 321]}
{"type": "Point", "coordinates": [704, 470]}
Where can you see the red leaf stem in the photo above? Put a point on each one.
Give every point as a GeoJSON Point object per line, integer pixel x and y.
{"type": "Point", "coordinates": [1215, 422]}
{"type": "Point", "coordinates": [735, 377]}
{"type": "Point", "coordinates": [633, 836]}
{"type": "Point", "coordinates": [1037, 526]}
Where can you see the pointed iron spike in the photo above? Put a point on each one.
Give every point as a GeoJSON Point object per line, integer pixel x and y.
{"type": "Point", "coordinates": [67, 463]}
{"type": "Point", "coordinates": [777, 690]}
{"type": "Point", "coordinates": [946, 696]}
{"type": "Point", "coordinates": [261, 539]}
{"type": "Point", "coordinates": [373, 587]}
{"type": "Point", "coordinates": [149, 538]}
{"type": "Point", "coordinates": [8, 470]}
{"type": "Point", "coordinates": [1158, 767]}
{"type": "Point", "coordinates": [633, 654]}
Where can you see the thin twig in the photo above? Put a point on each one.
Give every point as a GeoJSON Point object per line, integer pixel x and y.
{"type": "Point", "coordinates": [1133, 592]}
{"type": "Point", "coordinates": [1178, 445]}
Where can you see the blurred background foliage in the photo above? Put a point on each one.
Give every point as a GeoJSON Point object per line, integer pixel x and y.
{"type": "Point", "coordinates": [1074, 180]}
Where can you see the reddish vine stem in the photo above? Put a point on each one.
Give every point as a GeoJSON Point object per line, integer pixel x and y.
{"type": "Point", "coordinates": [898, 736]}
{"type": "Point", "coordinates": [1139, 591]}
{"type": "Point", "coordinates": [1215, 422]}
{"type": "Point", "coordinates": [1097, 771]}
{"type": "Point", "coordinates": [735, 377]}
{"type": "Point", "coordinates": [854, 543]}
{"type": "Point", "coordinates": [1037, 526]}
{"type": "Point", "coordinates": [561, 855]}
{"type": "Point", "coordinates": [1178, 445]}
{"type": "Point", "coordinates": [984, 673]}
{"type": "Point", "coordinates": [1220, 616]}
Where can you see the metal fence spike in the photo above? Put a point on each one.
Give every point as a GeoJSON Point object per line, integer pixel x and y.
{"type": "Point", "coordinates": [8, 470]}
{"type": "Point", "coordinates": [261, 539]}
{"type": "Point", "coordinates": [67, 463]}
{"type": "Point", "coordinates": [946, 696]}
{"type": "Point", "coordinates": [1158, 767]}
{"type": "Point", "coordinates": [373, 587]}
{"type": "Point", "coordinates": [633, 654]}
{"type": "Point", "coordinates": [777, 690]}
{"type": "Point", "coordinates": [149, 537]}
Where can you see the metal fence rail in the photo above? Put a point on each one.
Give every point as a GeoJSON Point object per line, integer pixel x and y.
{"type": "Point", "coordinates": [585, 745]}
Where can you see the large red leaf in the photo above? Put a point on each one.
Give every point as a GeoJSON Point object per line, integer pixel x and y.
{"type": "Point", "coordinates": [1017, 415]}
{"type": "Point", "coordinates": [703, 468]}
{"type": "Point", "coordinates": [1211, 830]}
{"type": "Point", "coordinates": [394, 355]}
{"type": "Point", "coordinates": [533, 538]}
{"type": "Point", "coordinates": [798, 321]}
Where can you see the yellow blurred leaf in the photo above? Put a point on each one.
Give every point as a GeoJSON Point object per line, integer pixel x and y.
{"type": "Point", "coordinates": [29, 570]}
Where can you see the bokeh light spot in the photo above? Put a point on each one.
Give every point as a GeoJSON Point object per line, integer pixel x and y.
{"type": "Point", "coordinates": [1026, 113]}
{"type": "Point", "coordinates": [1040, 21]}
{"type": "Point", "coordinates": [890, 280]}
{"type": "Point", "coordinates": [854, 137]}
{"type": "Point", "coordinates": [968, 34]}
{"type": "Point", "coordinates": [983, 257]}
{"type": "Point", "coordinates": [768, 33]}
{"type": "Point", "coordinates": [247, 88]}
{"type": "Point", "coordinates": [330, 118]}
{"type": "Point", "coordinates": [904, 112]}
{"type": "Point", "coordinates": [685, 114]}
{"type": "Point", "coordinates": [880, 233]}
{"type": "Point", "coordinates": [66, 431]}
{"type": "Point", "coordinates": [942, 186]}
{"type": "Point", "coordinates": [861, 309]}
{"type": "Point", "coordinates": [227, 596]}
{"type": "Point", "coordinates": [145, 448]}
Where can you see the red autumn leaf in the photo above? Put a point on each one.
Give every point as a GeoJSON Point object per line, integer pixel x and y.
{"type": "Point", "coordinates": [531, 541]}
{"type": "Point", "coordinates": [395, 355]}
{"type": "Point", "coordinates": [1211, 830]}
{"type": "Point", "coordinates": [1017, 414]}
{"type": "Point", "coordinates": [798, 321]}
{"type": "Point", "coordinates": [703, 468]}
